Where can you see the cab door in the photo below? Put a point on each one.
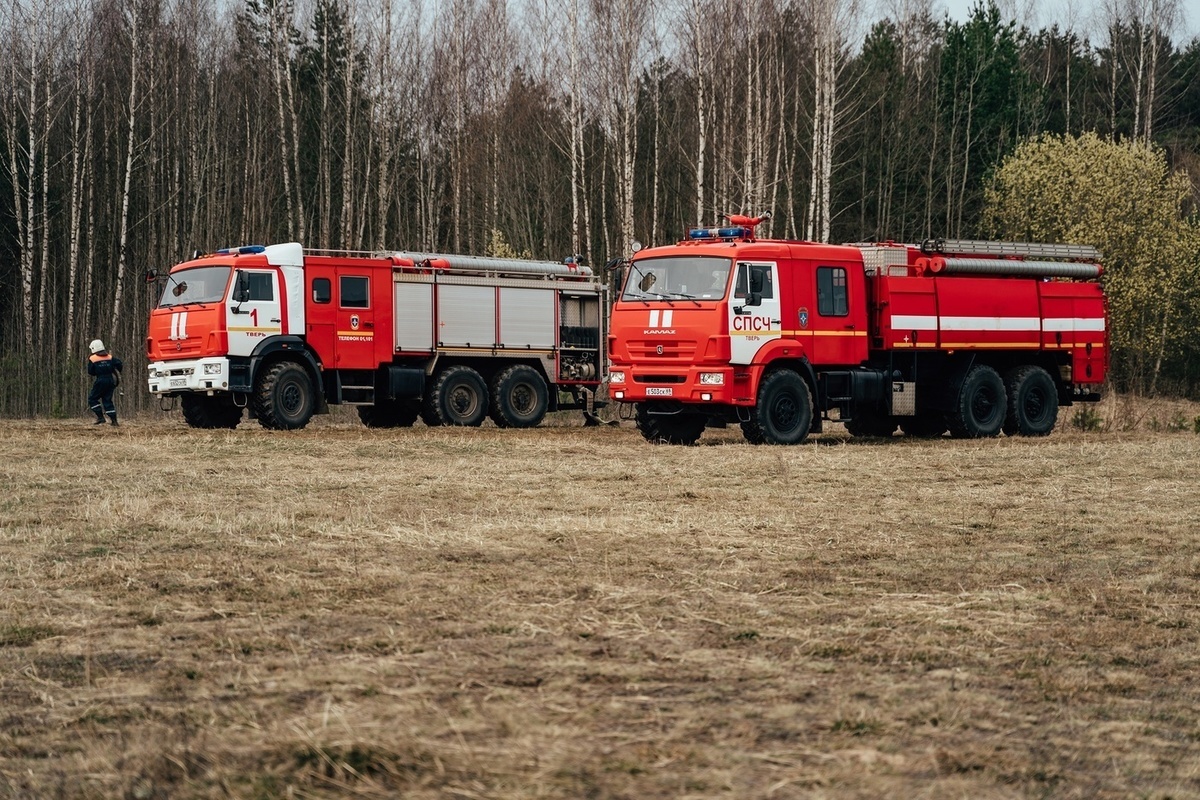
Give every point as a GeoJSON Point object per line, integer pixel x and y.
{"type": "Point", "coordinates": [354, 347]}
{"type": "Point", "coordinates": [754, 318]}
{"type": "Point", "coordinates": [254, 309]}
{"type": "Point", "coordinates": [839, 326]}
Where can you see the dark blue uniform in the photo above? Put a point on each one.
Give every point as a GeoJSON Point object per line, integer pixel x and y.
{"type": "Point", "coordinates": [103, 366]}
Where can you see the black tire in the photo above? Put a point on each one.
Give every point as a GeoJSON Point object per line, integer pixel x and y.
{"type": "Point", "coordinates": [210, 412]}
{"type": "Point", "coordinates": [284, 398]}
{"type": "Point", "coordinates": [681, 428]}
{"type": "Point", "coordinates": [390, 414]}
{"type": "Point", "coordinates": [520, 398]}
{"type": "Point", "coordinates": [981, 405]}
{"type": "Point", "coordinates": [1032, 402]}
{"type": "Point", "coordinates": [868, 423]}
{"type": "Point", "coordinates": [925, 425]}
{"type": "Point", "coordinates": [458, 397]}
{"type": "Point", "coordinates": [783, 414]}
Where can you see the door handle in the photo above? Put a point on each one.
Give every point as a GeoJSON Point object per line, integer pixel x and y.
{"type": "Point", "coordinates": [276, 320]}
{"type": "Point", "coordinates": [776, 322]}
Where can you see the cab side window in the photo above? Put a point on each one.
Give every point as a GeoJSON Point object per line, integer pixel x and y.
{"type": "Point", "coordinates": [759, 277]}
{"type": "Point", "coordinates": [354, 292]}
{"type": "Point", "coordinates": [832, 296]}
{"type": "Point", "coordinates": [322, 290]}
{"type": "Point", "coordinates": [262, 286]}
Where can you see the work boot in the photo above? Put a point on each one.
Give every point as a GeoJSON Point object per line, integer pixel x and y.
{"type": "Point", "coordinates": [114, 420]}
{"type": "Point", "coordinates": [99, 421]}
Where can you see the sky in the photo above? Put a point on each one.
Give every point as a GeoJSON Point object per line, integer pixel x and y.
{"type": "Point", "coordinates": [1085, 15]}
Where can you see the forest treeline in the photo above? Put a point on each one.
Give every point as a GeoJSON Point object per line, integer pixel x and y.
{"type": "Point", "coordinates": [135, 131]}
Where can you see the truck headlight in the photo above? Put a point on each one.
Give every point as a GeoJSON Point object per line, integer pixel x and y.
{"type": "Point", "coordinates": [712, 378]}
{"type": "Point", "coordinates": [616, 376]}
{"type": "Point", "coordinates": [212, 369]}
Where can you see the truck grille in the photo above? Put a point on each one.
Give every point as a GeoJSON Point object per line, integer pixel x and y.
{"type": "Point", "coordinates": [672, 349]}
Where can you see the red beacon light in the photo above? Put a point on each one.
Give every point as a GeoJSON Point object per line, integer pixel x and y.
{"type": "Point", "coordinates": [740, 227]}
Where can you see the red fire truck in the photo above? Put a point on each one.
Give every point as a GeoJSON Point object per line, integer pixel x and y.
{"type": "Point", "coordinates": [448, 339]}
{"type": "Point", "coordinates": [963, 336]}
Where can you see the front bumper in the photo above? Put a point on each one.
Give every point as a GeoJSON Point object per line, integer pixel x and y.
{"type": "Point", "coordinates": [706, 385]}
{"type": "Point", "coordinates": [193, 375]}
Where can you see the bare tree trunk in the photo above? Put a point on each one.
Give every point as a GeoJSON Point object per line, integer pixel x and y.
{"type": "Point", "coordinates": [348, 239]}
{"type": "Point", "coordinates": [44, 283]}
{"type": "Point", "coordinates": [75, 207]}
{"type": "Point", "coordinates": [575, 123]}
{"type": "Point", "coordinates": [131, 133]}
{"type": "Point", "coordinates": [324, 180]}
{"type": "Point", "coordinates": [701, 63]}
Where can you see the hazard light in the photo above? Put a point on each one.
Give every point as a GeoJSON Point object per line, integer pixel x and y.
{"type": "Point", "coordinates": [719, 233]}
{"type": "Point", "coordinates": [243, 250]}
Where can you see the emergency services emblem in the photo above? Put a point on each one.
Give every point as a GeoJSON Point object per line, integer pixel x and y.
{"type": "Point", "coordinates": [354, 322]}
{"type": "Point", "coordinates": [659, 350]}
{"type": "Point", "coordinates": [804, 318]}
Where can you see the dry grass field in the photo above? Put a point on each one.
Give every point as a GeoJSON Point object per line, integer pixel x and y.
{"type": "Point", "coordinates": [574, 613]}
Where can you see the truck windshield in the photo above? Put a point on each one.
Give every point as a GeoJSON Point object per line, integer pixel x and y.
{"type": "Point", "coordinates": [195, 285]}
{"type": "Point", "coordinates": [677, 277]}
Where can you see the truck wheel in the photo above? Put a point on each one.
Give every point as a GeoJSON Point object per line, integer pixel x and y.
{"type": "Point", "coordinates": [519, 397]}
{"type": "Point", "coordinates": [681, 428]}
{"type": "Point", "coordinates": [1032, 402]}
{"type": "Point", "coordinates": [458, 397]}
{"type": "Point", "coordinates": [926, 425]}
{"type": "Point", "coordinates": [390, 414]}
{"type": "Point", "coordinates": [979, 411]}
{"type": "Point", "coordinates": [209, 412]}
{"type": "Point", "coordinates": [284, 398]}
{"type": "Point", "coordinates": [867, 423]}
{"type": "Point", "coordinates": [783, 414]}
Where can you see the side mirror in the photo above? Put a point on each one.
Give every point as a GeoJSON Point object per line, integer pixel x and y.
{"type": "Point", "coordinates": [755, 299]}
{"type": "Point", "coordinates": [151, 275]}
{"type": "Point", "coordinates": [241, 289]}
{"type": "Point", "coordinates": [647, 281]}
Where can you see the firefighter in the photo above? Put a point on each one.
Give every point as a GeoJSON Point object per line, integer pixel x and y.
{"type": "Point", "coordinates": [106, 369]}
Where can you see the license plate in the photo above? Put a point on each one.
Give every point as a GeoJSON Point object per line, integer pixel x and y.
{"type": "Point", "coordinates": [659, 391]}
{"type": "Point", "coordinates": [178, 382]}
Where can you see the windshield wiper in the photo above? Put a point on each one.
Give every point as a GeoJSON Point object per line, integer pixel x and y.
{"type": "Point", "coordinates": [687, 296]}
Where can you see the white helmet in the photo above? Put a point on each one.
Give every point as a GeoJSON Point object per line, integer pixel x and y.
{"type": "Point", "coordinates": [96, 346]}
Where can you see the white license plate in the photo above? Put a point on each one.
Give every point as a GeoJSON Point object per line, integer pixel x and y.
{"type": "Point", "coordinates": [659, 391]}
{"type": "Point", "coordinates": [178, 382]}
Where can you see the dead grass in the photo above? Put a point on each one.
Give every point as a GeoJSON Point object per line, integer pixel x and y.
{"type": "Point", "coordinates": [571, 613]}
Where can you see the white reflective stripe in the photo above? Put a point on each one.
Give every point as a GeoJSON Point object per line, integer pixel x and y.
{"type": "Point", "coordinates": [991, 323]}
{"type": "Point", "coordinates": [926, 322]}
{"type": "Point", "coordinates": [654, 318]}
{"type": "Point", "coordinates": [1074, 324]}
{"type": "Point", "coordinates": [667, 318]}
{"type": "Point", "coordinates": [914, 322]}
{"type": "Point", "coordinates": [179, 325]}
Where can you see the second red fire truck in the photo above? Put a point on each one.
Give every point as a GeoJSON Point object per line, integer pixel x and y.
{"type": "Point", "coordinates": [282, 333]}
{"type": "Point", "coordinates": [971, 337]}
